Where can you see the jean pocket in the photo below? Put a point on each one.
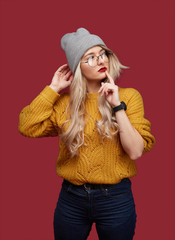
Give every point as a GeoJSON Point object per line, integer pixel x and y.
{"type": "Point", "coordinates": [112, 194]}
{"type": "Point", "coordinates": [76, 191]}
{"type": "Point", "coordinates": [120, 189]}
{"type": "Point", "coordinates": [66, 186]}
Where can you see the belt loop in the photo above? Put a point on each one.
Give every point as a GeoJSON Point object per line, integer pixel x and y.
{"type": "Point", "coordinates": [67, 185]}
{"type": "Point", "coordinates": [85, 186]}
{"type": "Point", "coordinates": [105, 187]}
{"type": "Point", "coordinates": [87, 190]}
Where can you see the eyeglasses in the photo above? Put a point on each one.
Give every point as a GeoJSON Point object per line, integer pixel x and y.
{"type": "Point", "coordinates": [93, 60]}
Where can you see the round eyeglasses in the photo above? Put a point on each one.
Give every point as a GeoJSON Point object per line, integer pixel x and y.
{"type": "Point", "coordinates": [93, 60]}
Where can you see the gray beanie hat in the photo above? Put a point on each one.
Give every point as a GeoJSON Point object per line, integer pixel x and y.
{"type": "Point", "coordinates": [76, 44]}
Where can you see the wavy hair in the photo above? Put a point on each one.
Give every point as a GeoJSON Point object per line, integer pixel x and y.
{"type": "Point", "coordinates": [73, 128]}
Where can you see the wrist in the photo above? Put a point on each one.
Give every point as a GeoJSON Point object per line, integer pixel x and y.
{"type": "Point", "coordinates": [121, 106]}
{"type": "Point", "coordinates": [116, 104]}
{"type": "Point", "coordinates": [55, 88]}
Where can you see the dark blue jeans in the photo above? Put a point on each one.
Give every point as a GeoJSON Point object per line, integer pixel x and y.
{"type": "Point", "coordinates": [110, 207]}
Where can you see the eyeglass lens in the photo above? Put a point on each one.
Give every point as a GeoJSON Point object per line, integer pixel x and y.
{"type": "Point", "coordinates": [93, 60]}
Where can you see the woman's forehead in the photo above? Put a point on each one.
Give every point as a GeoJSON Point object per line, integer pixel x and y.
{"type": "Point", "coordinates": [93, 50]}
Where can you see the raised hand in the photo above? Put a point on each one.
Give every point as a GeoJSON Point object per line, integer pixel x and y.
{"type": "Point", "coordinates": [62, 78]}
{"type": "Point", "coordinates": [110, 89]}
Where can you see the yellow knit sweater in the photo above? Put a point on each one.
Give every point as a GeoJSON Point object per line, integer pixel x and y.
{"type": "Point", "coordinates": [98, 162]}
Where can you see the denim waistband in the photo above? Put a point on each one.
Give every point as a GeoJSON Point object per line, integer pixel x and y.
{"type": "Point", "coordinates": [93, 185]}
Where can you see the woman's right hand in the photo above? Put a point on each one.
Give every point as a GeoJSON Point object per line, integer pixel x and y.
{"type": "Point", "coordinates": [62, 78]}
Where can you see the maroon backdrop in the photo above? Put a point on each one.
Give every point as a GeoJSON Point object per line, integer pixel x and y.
{"type": "Point", "coordinates": [142, 34]}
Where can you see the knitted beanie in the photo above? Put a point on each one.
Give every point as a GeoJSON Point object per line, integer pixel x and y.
{"type": "Point", "coordinates": [76, 44]}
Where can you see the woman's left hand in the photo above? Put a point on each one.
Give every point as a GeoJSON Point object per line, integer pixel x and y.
{"type": "Point", "coordinates": [110, 90]}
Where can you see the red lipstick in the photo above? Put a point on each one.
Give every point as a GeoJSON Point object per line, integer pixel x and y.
{"type": "Point", "coordinates": [102, 69]}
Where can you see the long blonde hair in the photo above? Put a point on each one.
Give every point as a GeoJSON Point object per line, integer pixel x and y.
{"type": "Point", "coordinates": [73, 134]}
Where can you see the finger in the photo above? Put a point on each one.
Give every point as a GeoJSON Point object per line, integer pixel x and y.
{"type": "Point", "coordinates": [102, 84]}
{"type": "Point", "coordinates": [65, 71]}
{"type": "Point", "coordinates": [71, 78]}
{"type": "Point", "coordinates": [62, 67]}
{"type": "Point", "coordinates": [100, 89]}
{"type": "Point", "coordinates": [103, 90]}
{"type": "Point", "coordinates": [107, 89]}
{"type": "Point", "coordinates": [109, 77]}
{"type": "Point", "coordinates": [68, 83]}
{"type": "Point", "coordinates": [67, 76]}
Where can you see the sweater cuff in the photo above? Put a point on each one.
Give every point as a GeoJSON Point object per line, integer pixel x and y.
{"type": "Point", "coordinates": [49, 94]}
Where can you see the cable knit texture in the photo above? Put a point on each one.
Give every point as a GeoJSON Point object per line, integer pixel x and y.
{"type": "Point", "coordinates": [98, 162]}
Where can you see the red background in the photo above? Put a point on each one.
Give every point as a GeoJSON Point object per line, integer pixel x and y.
{"type": "Point", "coordinates": [141, 33]}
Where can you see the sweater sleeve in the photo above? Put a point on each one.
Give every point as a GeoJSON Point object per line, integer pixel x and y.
{"type": "Point", "coordinates": [38, 119]}
{"type": "Point", "coordinates": [135, 113]}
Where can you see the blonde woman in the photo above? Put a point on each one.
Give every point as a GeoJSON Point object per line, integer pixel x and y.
{"type": "Point", "coordinates": [102, 132]}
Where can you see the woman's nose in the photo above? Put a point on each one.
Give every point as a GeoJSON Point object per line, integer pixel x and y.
{"type": "Point", "coordinates": [100, 60]}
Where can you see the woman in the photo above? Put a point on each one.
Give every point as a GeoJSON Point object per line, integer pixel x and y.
{"type": "Point", "coordinates": [102, 131]}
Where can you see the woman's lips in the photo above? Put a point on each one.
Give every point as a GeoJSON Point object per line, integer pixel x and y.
{"type": "Point", "coordinates": [102, 69]}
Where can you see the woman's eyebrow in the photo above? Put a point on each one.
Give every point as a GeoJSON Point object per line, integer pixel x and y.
{"type": "Point", "coordinates": [92, 53]}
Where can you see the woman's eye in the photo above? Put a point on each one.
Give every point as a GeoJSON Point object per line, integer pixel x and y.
{"type": "Point", "coordinates": [92, 57]}
{"type": "Point", "coordinates": [103, 54]}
